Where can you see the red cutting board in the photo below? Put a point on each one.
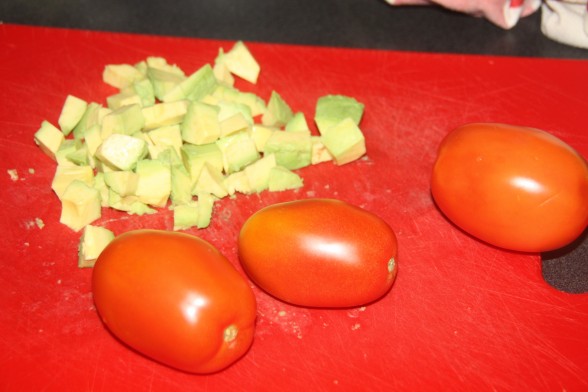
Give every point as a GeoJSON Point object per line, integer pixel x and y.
{"type": "Point", "coordinates": [461, 316]}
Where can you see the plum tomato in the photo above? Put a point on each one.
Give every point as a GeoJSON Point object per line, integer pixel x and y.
{"type": "Point", "coordinates": [319, 253]}
{"type": "Point", "coordinates": [174, 298]}
{"type": "Point", "coordinates": [514, 187]}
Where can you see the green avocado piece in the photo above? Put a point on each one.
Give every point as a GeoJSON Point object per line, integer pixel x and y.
{"type": "Point", "coordinates": [293, 150]}
{"type": "Point", "coordinates": [332, 109]}
{"type": "Point", "coordinates": [281, 179]}
{"type": "Point", "coordinates": [278, 112]}
{"type": "Point", "coordinates": [345, 142]}
{"type": "Point", "coordinates": [238, 150]}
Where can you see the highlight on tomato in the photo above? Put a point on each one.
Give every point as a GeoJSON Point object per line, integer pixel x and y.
{"type": "Point", "coordinates": [174, 298]}
{"type": "Point", "coordinates": [514, 187]}
{"type": "Point", "coordinates": [319, 253]}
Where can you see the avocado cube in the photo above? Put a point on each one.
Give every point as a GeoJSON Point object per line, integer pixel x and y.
{"type": "Point", "coordinates": [121, 75]}
{"type": "Point", "coordinates": [71, 113]}
{"type": "Point", "coordinates": [281, 179]}
{"type": "Point", "coordinates": [238, 150]}
{"type": "Point", "coordinates": [211, 181]}
{"type": "Point", "coordinates": [205, 206]}
{"type": "Point", "coordinates": [293, 150]}
{"type": "Point", "coordinates": [258, 172]}
{"type": "Point", "coordinates": [49, 138]}
{"type": "Point", "coordinates": [241, 62]}
{"type": "Point", "coordinates": [154, 184]}
{"type": "Point", "coordinates": [185, 216]}
{"type": "Point", "coordinates": [345, 142]}
{"type": "Point", "coordinates": [162, 114]}
{"type": "Point", "coordinates": [195, 157]}
{"type": "Point", "coordinates": [122, 151]}
{"type": "Point", "coordinates": [66, 174]}
{"type": "Point", "coordinates": [195, 87]}
{"type": "Point", "coordinates": [80, 205]}
{"type": "Point", "coordinates": [181, 185]}
{"type": "Point", "coordinates": [200, 125]}
{"type": "Point", "coordinates": [125, 120]}
{"type": "Point", "coordinates": [278, 112]}
{"type": "Point", "coordinates": [123, 182]}
{"type": "Point", "coordinates": [237, 182]}
{"type": "Point", "coordinates": [92, 243]}
{"type": "Point", "coordinates": [332, 109]}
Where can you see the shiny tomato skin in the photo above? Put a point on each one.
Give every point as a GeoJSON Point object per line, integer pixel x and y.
{"type": "Point", "coordinates": [514, 187]}
{"type": "Point", "coordinates": [319, 253]}
{"type": "Point", "coordinates": [174, 298]}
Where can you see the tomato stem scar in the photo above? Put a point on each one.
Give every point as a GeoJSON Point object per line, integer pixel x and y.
{"type": "Point", "coordinates": [230, 333]}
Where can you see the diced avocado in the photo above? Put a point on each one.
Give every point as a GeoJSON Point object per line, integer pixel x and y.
{"type": "Point", "coordinates": [238, 150]}
{"type": "Point", "coordinates": [210, 181]}
{"type": "Point", "coordinates": [71, 113]}
{"type": "Point", "coordinates": [200, 125]}
{"type": "Point", "coordinates": [102, 188]}
{"type": "Point", "coordinates": [123, 182]}
{"type": "Point", "coordinates": [161, 63]}
{"type": "Point", "coordinates": [196, 86]}
{"type": "Point", "coordinates": [235, 123]}
{"type": "Point", "coordinates": [121, 75]}
{"type": "Point", "coordinates": [229, 109]}
{"type": "Point", "coordinates": [130, 204]}
{"type": "Point", "coordinates": [92, 243]}
{"type": "Point", "coordinates": [281, 179]}
{"type": "Point", "coordinates": [80, 205]}
{"type": "Point", "coordinates": [162, 114]}
{"type": "Point", "coordinates": [154, 185]}
{"type": "Point", "coordinates": [255, 104]}
{"type": "Point", "coordinates": [79, 156]}
{"type": "Point", "coordinates": [260, 134]}
{"type": "Point", "coordinates": [67, 147]}
{"type": "Point", "coordinates": [165, 154]}
{"type": "Point", "coordinates": [297, 124]}
{"type": "Point", "coordinates": [345, 142]}
{"type": "Point", "coordinates": [122, 151]}
{"type": "Point", "coordinates": [205, 207]}
{"type": "Point", "coordinates": [168, 136]}
{"type": "Point", "coordinates": [49, 138]}
{"type": "Point", "coordinates": [222, 73]}
{"type": "Point", "coordinates": [125, 120]}
{"type": "Point", "coordinates": [163, 81]}
{"type": "Point", "coordinates": [66, 174]}
{"type": "Point", "coordinates": [237, 182]}
{"type": "Point", "coordinates": [92, 116]}
{"type": "Point", "coordinates": [181, 185]}
{"type": "Point", "coordinates": [144, 89]}
{"type": "Point", "coordinates": [258, 172]}
{"type": "Point", "coordinates": [93, 140]}
{"type": "Point", "coordinates": [293, 150]}
{"type": "Point", "coordinates": [141, 66]}
{"type": "Point", "coordinates": [241, 62]}
{"type": "Point", "coordinates": [185, 216]}
{"type": "Point", "coordinates": [278, 112]}
{"type": "Point", "coordinates": [125, 97]}
{"type": "Point", "coordinates": [332, 109]}
{"type": "Point", "coordinates": [319, 151]}
{"type": "Point", "coordinates": [194, 158]}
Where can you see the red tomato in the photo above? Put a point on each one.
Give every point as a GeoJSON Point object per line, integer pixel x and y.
{"type": "Point", "coordinates": [517, 188]}
{"type": "Point", "coordinates": [176, 299]}
{"type": "Point", "coordinates": [319, 253]}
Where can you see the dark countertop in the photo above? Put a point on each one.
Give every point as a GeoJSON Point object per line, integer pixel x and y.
{"type": "Point", "coordinates": [342, 23]}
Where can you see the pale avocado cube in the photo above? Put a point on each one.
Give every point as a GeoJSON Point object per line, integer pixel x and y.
{"type": "Point", "coordinates": [332, 109]}
{"type": "Point", "coordinates": [237, 182]}
{"type": "Point", "coordinates": [185, 216]}
{"type": "Point", "coordinates": [125, 120]}
{"type": "Point", "coordinates": [79, 156]}
{"type": "Point", "coordinates": [160, 63]}
{"type": "Point", "coordinates": [154, 184]}
{"type": "Point", "coordinates": [144, 89]}
{"type": "Point", "coordinates": [260, 133]}
{"type": "Point", "coordinates": [278, 112]}
{"type": "Point", "coordinates": [297, 124]}
{"type": "Point", "coordinates": [238, 150]}
{"type": "Point", "coordinates": [320, 153]}
{"type": "Point", "coordinates": [258, 172]}
{"type": "Point", "coordinates": [100, 185]}
{"type": "Point", "coordinates": [93, 139]}
{"type": "Point", "coordinates": [234, 124]}
{"type": "Point", "coordinates": [222, 72]}
{"type": "Point", "coordinates": [205, 207]}
{"type": "Point", "coordinates": [92, 116]}
{"type": "Point", "coordinates": [255, 104]}
{"type": "Point", "coordinates": [121, 75]}
{"type": "Point", "coordinates": [123, 182]}
{"type": "Point", "coordinates": [92, 243]}
{"type": "Point", "coordinates": [181, 185]}
{"type": "Point", "coordinates": [195, 87]}
{"type": "Point", "coordinates": [122, 151]}
{"type": "Point", "coordinates": [71, 113]}
{"type": "Point", "coordinates": [67, 147]}
{"type": "Point", "coordinates": [200, 125]}
{"type": "Point", "coordinates": [345, 142]}
{"type": "Point", "coordinates": [241, 62]}
{"type": "Point", "coordinates": [80, 205]}
{"type": "Point", "coordinates": [129, 204]}
{"type": "Point", "coordinates": [162, 114]}
{"type": "Point", "coordinates": [293, 150]}
{"type": "Point", "coordinates": [195, 157]}
{"type": "Point", "coordinates": [163, 80]}
{"type": "Point", "coordinates": [281, 179]}
{"type": "Point", "coordinates": [66, 174]}
{"type": "Point", "coordinates": [49, 138]}
{"type": "Point", "coordinates": [167, 136]}
{"type": "Point", "coordinates": [210, 181]}
{"type": "Point", "coordinates": [125, 97]}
